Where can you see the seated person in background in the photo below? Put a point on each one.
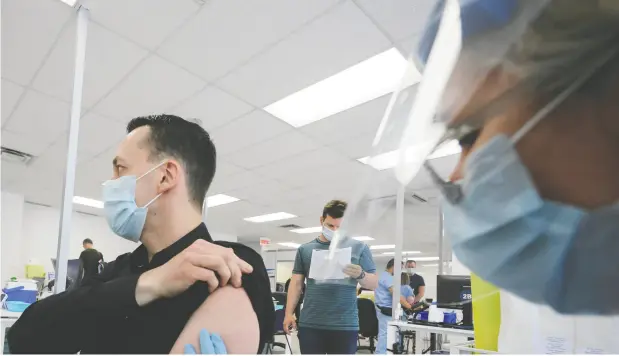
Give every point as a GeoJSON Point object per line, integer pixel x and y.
{"type": "Point", "coordinates": [90, 259]}
{"type": "Point", "coordinates": [157, 299]}
{"type": "Point", "coordinates": [405, 290]}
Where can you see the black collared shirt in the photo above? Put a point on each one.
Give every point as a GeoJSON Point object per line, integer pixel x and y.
{"type": "Point", "coordinates": [416, 281]}
{"type": "Point", "coordinates": [102, 315]}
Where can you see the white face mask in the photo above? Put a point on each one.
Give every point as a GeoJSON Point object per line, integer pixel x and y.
{"type": "Point", "coordinates": [327, 233]}
{"type": "Point", "coordinates": [410, 270]}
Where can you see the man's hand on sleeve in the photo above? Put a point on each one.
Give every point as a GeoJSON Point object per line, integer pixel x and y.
{"type": "Point", "coordinates": [198, 262]}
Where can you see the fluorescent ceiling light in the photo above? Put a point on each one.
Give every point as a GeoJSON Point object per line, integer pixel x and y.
{"type": "Point", "coordinates": [430, 265]}
{"type": "Point", "coordinates": [69, 2]}
{"type": "Point", "coordinates": [289, 244]}
{"type": "Point", "coordinates": [363, 238]}
{"type": "Point", "coordinates": [390, 159]}
{"type": "Point", "coordinates": [88, 202]}
{"type": "Point", "coordinates": [219, 199]}
{"type": "Point", "coordinates": [422, 259]}
{"type": "Point", "coordinates": [403, 252]}
{"type": "Point", "coordinates": [381, 247]}
{"type": "Point", "coordinates": [270, 217]}
{"type": "Point", "coordinates": [365, 81]}
{"type": "Point", "coordinates": [307, 230]}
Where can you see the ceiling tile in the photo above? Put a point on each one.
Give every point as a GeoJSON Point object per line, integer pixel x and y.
{"type": "Point", "coordinates": [40, 117]}
{"type": "Point", "coordinates": [283, 146]}
{"type": "Point", "coordinates": [10, 94]}
{"type": "Point", "coordinates": [154, 87]}
{"type": "Point", "coordinates": [225, 169]}
{"type": "Point", "coordinates": [213, 107]}
{"type": "Point", "coordinates": [24, 142]}
{"type": "Point", "coordinates": [346, 174]}
{"type": "Point", "coordinates": [325, 47]}
{"type": "Point", "coordinates": [260, 193]}
{"type": "Point", "coordinates": [356, 147]}
{"type": "Point", "coordinates": [224, 184]}
{"type": "Point", "coordinates": [98, 133]}
{"type": "Point", "coordinates": [11, 172]}
{"type": "Point", "coordinates": [109, 58]}
{"type": "Point", "coordinates": [248, 130]}
{"type": "Point", "coordinates": [227, 33]}
{"type": "Point", "coordinates": [408, 45]}
{"type": "Point", "coordinates": [29, 29]}
{"type": "Point", "coordinates": [305, 164]}
{"type": "Point", "coordinates": [54, 159]}
{"type": "Point", "coordinates": [146, 22]}
{"type": "Point", "coordinates": [364, 118]}
{"type": "Point", "coordinates": [35, 189]}
{"type": "Point", "coordinates": [399, 18]}
{"type": "Point", "coordinates": [92, 173]}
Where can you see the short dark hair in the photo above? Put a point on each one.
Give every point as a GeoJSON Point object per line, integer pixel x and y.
{"type": "Point", "coordinates": [334, 209]}
{"type": "Point", "coordinates": [390, 263]}
{"type": "Point", "coordinates": [87, 241]}
{"type": "Point", "coordinates": [186, 141]}
{"type": "Point", "coordinates": [413, 261]}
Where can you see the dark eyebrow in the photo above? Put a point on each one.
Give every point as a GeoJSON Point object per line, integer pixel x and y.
{"type": "Point", "coordinates": [116, 160]}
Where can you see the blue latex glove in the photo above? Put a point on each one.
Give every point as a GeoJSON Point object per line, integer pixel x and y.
{"type": "Point", "coordinates": [210, 344]}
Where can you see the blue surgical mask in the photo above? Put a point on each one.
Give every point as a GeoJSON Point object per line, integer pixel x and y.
{"type": "Point", "coordinates": [123, 215]}
{"type": "Point", "coordinates": [327, 233]}
{"type": "Point", "coordinates": [546, 252]}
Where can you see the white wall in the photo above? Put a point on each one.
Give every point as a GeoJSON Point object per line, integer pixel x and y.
{"type": "Point", "coordinates": [11, 241]}
{"type": "Point", "coordinates": [40, 235]}
{"type": "Point", "coordinates": [30, 232]}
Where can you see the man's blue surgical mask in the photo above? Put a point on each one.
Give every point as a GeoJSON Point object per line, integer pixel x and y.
{"type": "Point", "coordinates": [123, 215]}
{"type": "Point", "coordinates": [327, 233]}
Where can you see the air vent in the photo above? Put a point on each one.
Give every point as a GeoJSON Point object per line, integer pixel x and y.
{"type": "Point", "coordinates": [290, 226]}
{"type": "Point", "coordinates": [418, 198]}
{"type": "Point", "coordinates": [15, 156]}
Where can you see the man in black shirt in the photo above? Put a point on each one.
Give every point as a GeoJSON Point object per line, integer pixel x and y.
{"type": "Point", "coordinates": [90, 259]}
{"type": "Point", "coordinates": [157, 298]}
{"type": "Point", "coordinates": [416, 281]}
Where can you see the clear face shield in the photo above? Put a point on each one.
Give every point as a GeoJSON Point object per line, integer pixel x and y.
{"type": "Point", "coordinates": [463, 43]}
{"type": "Point", "coordinates": [480, 60]}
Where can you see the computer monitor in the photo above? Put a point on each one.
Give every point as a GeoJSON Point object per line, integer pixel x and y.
{"type": "Point", "coordinates": [454, 292]}
{"type": "Point", "coordinates": [75, 271]}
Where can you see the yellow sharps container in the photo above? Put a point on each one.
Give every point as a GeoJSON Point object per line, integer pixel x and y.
{"type": "Point", "coordinates": [486, 313]}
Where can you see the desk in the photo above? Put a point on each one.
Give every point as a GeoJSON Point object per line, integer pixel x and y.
{"type": "Point", "coordinates": [392, 331]}
{"type": "Point", "coordinates": [7, 319]}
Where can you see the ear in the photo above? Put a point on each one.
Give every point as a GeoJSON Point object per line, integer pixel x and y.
{"type": "Point", "coordinates": [322, 220]}
{"type": "Point", "coordinates": [171, 176]}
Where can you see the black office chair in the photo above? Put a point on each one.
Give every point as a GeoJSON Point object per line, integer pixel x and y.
{"type": "Point", "coordinates": [368, 324]}
{"type": "Point", "coordinates": [280, 297]}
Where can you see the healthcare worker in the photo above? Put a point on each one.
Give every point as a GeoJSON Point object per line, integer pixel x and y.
{"type": "Point", "coordinates": [384, 300]}
{"type": "Point", "coordinates": [531, 89]}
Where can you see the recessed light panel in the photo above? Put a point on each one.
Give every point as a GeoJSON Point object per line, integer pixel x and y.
{"type": "Point", "coordinates": [353, 86]}
{"type": "Point", "coordinates": [270, 217]}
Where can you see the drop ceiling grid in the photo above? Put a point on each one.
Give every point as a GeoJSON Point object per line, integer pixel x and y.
{"type": "Point", "coordinates": [159, 74]}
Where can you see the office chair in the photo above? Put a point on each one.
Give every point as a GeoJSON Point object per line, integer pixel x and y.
{"type": "Point", "coordinates": [368, 323]}
{"type": "Point", "coordinates": [280, 297]}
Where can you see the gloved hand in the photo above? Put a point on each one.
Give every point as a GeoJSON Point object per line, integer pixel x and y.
{"type": "Point", "coordinates": [353, 271]}
{"type": "Point", "coordinates": [210, 344]}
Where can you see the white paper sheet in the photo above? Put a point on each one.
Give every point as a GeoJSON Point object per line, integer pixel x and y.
{"type": "Point", "coordinates": [322, 268]}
